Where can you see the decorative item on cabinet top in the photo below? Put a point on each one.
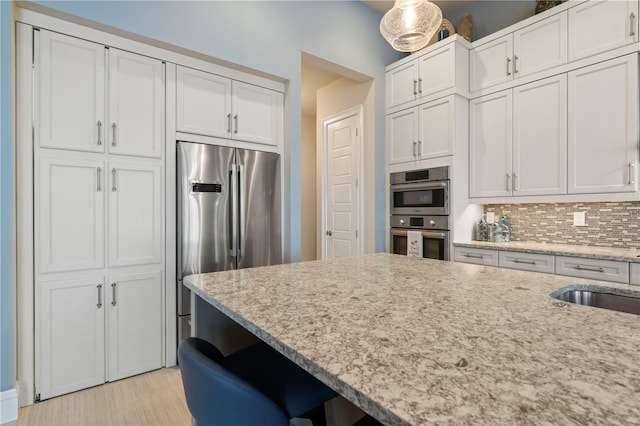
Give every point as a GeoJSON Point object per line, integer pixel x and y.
{"type": "Point", "coordinates": [542, 5]}
{"type": "Point", "coordinates": [447, 28]}
{"type": "Point", "coordinates": [465, 27]}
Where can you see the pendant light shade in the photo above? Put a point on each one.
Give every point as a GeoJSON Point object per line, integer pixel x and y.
{"type": "Point", "coordinates": [410, 24]}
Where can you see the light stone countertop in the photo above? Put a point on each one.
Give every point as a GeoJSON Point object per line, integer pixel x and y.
{"type": "Point", "coordinates": [419, 341]}
{"type": "Point", "coordinates": [591, 252]}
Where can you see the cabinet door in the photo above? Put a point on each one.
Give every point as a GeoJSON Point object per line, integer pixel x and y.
{"type": "Point", "coordinates": [70, 93]}
{"type": "Point", "coordinates": [69, 335]}
{"type": "Point", "coordinates": [203, 103]}
{"type": "Point", "coordinates": [437, 71]}
{"type": "Point", "coordinates": [402, 128]}
{"type": "Point", "coordinates": [540, 46]}
{"type": "Point", "coordinates": [490, 63]}
{"type": "Point", "coordinates": [436, 128]}
{"type": "Point", "coordinates": [402, 84]}
{"type": "Point", "coordinates": [135, 214]}
{"type": "Point", "coordinates": [134, 324]}
{"type": "Point", "coordinates": [69, 214]}
{"type": "Point", "coordinates": [540, 137]}
{"type": "Point", "coordinates": [256, 112]}
{"type": "Point", "coordinates": [603, 126]}
{"type": "Point", "coordinates": [616, 22]}
{"type": "Point", "coordinates": [136, 105]}
{"type": "Point", "coordinates": [490, 145]}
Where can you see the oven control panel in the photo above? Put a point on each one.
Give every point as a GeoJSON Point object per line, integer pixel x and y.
{"type": "Point", "coordinates": [420, 222]}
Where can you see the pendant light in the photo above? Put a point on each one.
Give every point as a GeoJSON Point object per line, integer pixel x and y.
{"type": "Point", "coordinates": [410, 24]}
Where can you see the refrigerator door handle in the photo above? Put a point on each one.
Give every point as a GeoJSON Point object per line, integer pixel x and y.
{"type": "Point", "coordinates": [243, 212]}
{"type": "Point", "coordinates": [233, 182]}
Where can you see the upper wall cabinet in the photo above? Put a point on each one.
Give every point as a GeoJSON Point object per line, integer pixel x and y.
{"type": "Point", "coordinates": [616, 23]}
{"type": "Point", "coordinates": [210, 105]}
{"type": "Point", "coordinates": [71, 97]}
{"type": "Point", "coordinates": [535, 48]}
{"type": "Point", "coordinates": [428, 76]}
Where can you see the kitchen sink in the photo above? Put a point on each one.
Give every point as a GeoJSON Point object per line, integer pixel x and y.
{"type": "Point", "coordinates": [615, 299]}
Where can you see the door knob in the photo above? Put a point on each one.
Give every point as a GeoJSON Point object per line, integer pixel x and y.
{"type": "Point", "coordinates": [329, 233]}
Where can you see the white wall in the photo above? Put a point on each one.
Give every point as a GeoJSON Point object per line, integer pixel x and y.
{"type": "Point", "coordinates": [335, 98]}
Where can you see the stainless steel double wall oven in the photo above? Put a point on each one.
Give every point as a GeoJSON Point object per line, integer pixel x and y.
{"type": "Point", "coordinates": [420, 202]}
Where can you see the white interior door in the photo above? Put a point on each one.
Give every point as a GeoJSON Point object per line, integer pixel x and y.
{"type": "Point", "coordinates": [134, 312]}
{"type": "Point", "coordinates": [342, 214]}
{"type": "Point", "coordinates": [69, 335]}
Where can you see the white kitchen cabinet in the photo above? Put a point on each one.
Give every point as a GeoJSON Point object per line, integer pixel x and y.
{"type": "Point", "coordinates": [597, 269]}
{"type": "Point", "coordinates": [135, 213]}
{"type": "Point", "coordinates": [518, 141]}
{"type": "Point", "coordinates": [603, 127]}
{"type": "Point", "coordinates": [71, 97]}
{"type": "Point", "coordinates": [616, 22]}
{"type": "Point", "coordinates": [203, 103]}
{"type": "Point", "coordinates": [134, 324]}
{"type": "Point", "coordinates": [634, 273]}
{"type": "Point", "coordinates": [534, 48]}
{"type": "Point", "coordinates": [478, 256]}
{"type": "Point", "coordinates": [70, 93]}
{"type": "Point", "coordinates": [401, 84]}
{"type": "Point", "coordinates": [540, 137]}
{"type": "Point", "coordinates": [70, 344]}
{"type": "Point", "coordinates": [425, 131]}
{"type": "Point", "coordinates": [136, 105]}
{"type": "Point", "coordinates": [490, 145]}
{"type": "Point", "coordinates": [70, 213]}
{"type": "Point", "coordinates": [527, 261]}
{"type": "Point", "coordinates": [211, 105]}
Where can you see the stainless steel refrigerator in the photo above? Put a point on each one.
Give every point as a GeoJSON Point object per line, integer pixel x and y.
{"type": "Point", "coordinates": [228, 216]}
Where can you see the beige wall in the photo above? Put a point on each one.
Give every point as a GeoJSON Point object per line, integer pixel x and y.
{"type": "Point", "coordinates": [337, 97]}
{"type": "Point", "coordinates": [308, 185]}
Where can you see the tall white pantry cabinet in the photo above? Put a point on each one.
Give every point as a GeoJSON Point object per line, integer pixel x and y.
{"type": "Point", "coordinates": [98, 202]}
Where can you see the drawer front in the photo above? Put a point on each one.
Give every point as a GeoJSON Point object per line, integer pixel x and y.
{"type": "Point", "coordinates": [635, 273]}
{"type": "Point", "coordinates": [477, 256]}
{"type": "Point", "coordinates": [527, 261]}
{"type": "Point", "coordinates": [606, 270]}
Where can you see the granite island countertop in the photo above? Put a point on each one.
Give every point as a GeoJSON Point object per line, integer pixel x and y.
{"type": "Point", "coordinates": [591, 252]}
{"type": "Point", "coordinates": [419, 341]}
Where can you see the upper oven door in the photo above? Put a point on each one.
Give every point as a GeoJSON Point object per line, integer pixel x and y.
{"type": "Point", "coordinates": [424, 198]}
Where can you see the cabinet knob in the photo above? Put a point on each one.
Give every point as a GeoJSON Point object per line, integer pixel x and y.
{"type": "Point", "coordinates": [329, 233]}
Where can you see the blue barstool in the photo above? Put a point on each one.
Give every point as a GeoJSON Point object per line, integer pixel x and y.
{"type": "Point", "coordinates": [254, 386]}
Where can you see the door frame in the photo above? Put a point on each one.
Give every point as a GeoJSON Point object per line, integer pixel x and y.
{"type": "Point", "coordinates": [358, 112]}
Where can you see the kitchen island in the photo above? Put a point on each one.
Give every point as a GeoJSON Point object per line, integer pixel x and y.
{"type": "Point", "coordinates": [418, 341]}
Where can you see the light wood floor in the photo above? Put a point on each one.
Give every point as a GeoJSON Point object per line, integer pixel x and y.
{"type": "Point", "coordinates": [154, 398]}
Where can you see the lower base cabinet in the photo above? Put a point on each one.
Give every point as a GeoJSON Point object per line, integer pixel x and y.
{"type": "Point", "coordinates": [596, 269]}
{"type": "Point", "coordinates": [634, 274]}
{"type": "Point", "coordinates": [89, 331]}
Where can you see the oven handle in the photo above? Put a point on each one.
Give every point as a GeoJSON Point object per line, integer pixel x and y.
{"type": "Point", "coordinates": [441, 235]}
{"type": "Point", "coordinates": [420, 185]}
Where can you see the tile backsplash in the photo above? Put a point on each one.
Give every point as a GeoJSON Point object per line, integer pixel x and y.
{"type": "Point", "coordinates": [607, 224]}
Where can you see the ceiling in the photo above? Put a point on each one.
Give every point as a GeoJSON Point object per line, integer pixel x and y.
{"type": "Point", "coordinates": [448, 7]}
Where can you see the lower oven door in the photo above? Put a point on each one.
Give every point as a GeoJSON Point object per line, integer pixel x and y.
{"type": "Point", "coordinates": [435, 244]}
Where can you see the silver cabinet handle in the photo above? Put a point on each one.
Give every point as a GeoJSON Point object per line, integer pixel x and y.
{"type": "Point", "coordinates": [473, 255]}
{"type": "Point", "coordinates": [631, 174]}
{"type": "Point", "coordinates": [99, 305]}
{"type": "Point", "coordinates": [415, 85]}
{"type": "Point", "coordinates": [99, 172]}
{"type": "Point", "coordinates": [414, 148]}
{"type": "Point", "coordinates": [515, 182]}
{"type": "Point", "coordinates": [113, 180]}
{"type": "Point", "coordinates": [113, 134]}
{"type": "Point", "coordinates": [515, 64]}
{"type": "Point", "coordinates": [586, 268]}
{"type": "Point", "coordinates": [235, 117]}
{"type": "Point", "coordinates": [229, 123]}
{"type": "Point", "coordinates": [419, 148]}
{"type": "Point", "coordinates": [526, 262]}
{"type": "Point", "coordinates": [419, 85]}
{"type": "Point", "coordinates": [632, 30]}
{"type": "Point", "coordinates": [508, 182]}
{"type": "Point", "coordinates": [99, 132]}
{"type": "Point", "coordinates": [113, 294]}
{"type": "Point", "coordinates": [508, 62]}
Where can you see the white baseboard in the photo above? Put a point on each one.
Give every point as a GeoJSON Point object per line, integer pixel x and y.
{"type": "Point", "coordinates": [8, 406]}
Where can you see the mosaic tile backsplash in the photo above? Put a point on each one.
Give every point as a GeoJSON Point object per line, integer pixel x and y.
{"type": "Point", "coordinates": [608, 224]}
